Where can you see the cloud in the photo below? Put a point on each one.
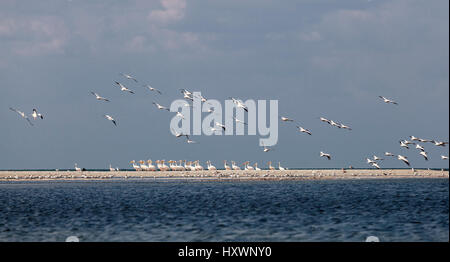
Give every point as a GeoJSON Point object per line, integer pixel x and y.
{"type": "Point", "coordinates": [173, 12]}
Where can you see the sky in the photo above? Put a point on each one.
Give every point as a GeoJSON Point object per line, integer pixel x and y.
{"type": "Point", "coordinates": [318, 58]}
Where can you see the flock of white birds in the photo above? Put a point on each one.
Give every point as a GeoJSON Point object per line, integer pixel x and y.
{"type": "Point", "coordinates": [195, 165]}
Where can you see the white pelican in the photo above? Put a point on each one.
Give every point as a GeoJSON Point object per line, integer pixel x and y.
{"type": "Point", "coordinates": [98, 97]}
{"type": "Point", "coordinates": [325, 120]}
{"type": "Point", "coordinates": [182, 168]}
{"type": "Point", "coordinates": [198, 166]}
{"type": "Point", "coordinates": [239, 121]}
{"type": "Point", "coordinates": [225, 165]}
{"type": "Point", "coordinates": [22, 114]}
{"type": "Point", "coordinates": [345, 127]}
{"type": "Point", "coordinates": [437, 143]}
{"type": "Point", "coordinates": [143, 166]}
{"type": "Point", "coordinates": [123, 88]}
{"type": "Point", "coordinates": [376, 165]}
{"type": "Point", "coordinates": [388, 154]}
{"type": "Point", "coordinates": [111, 168]}
{"type": "Point", "coordinates": [424, 140]}
{"type": "Point", "coordinates": [266, 149]}
{"type": "Point", "coordinates": [136, 167]}
{"type": "Point", "coordinates": [35, 115]}
{"type": "Point", "coordinates": [304, 130]}
{"type": "Point", "coordinates": [377, 158]}
{"type": "Point", "coordinates": [386, 100]}
{"type": "Point", "coordinates": [220, 125]}
{"type": "Point", "coordinates": [370, 161]}
{"type": "Point", "coordinates": [151, 167]}
{"type": "Point", "coordinates": [239, 104]}
{"type": "Point", "coordinates": [161, 107]}
{"type": "Point", "coordinates": [285, 119]}
{"type": "Point", "coordinates": [179, 114]}
{"type": "Point", "coordinates": [335, 124]}
{"type": "Point", "coordinates": [247, 166]}
{"type": "Point", "coordinates": [164, 167]}
{"type": "Point", "coordinates": [203, 99]}
{"type": "Point", "coordinates": [189, 141]}
{"type": "Point", "coordinates": [270, 165]}
{"type": "Point", "coordinates": [322, 154]}
{"type": "Point", "coordinates": [257, 168]}
{"type": "Point", "coordinates": [129, 77]}
{"type": "Point", "coordinates": [403, 144]}
{"type": "Point", "coordinates": [186, 92]}
{"type": "Point", "coordinates": [210, 166]}
{"type": "Point", "coordinates": [111, 119]}
{"type": "Point", "coordinates": [420, 147]}
{"type": "Point", "coordinates": [444, 157]}
{"type": "Point", "coordinates": [177, 134]}
{"type": "Point", "coordinates": [413, 138]}
{"type": "Point", "coordinates": [280, 167]}
{"type": "Point", "coordinates": [424, 154]}
{"type": "Point", "coordinates": [77, 168]}
{"type": "Point", "coordinates": [404, 159]}
{"type": "Point", "coordinates": [153, 89]}
{"type": "Point", "coordinates": [234, 166]}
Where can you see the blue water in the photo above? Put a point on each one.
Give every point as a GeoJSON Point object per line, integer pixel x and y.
{"type": "Point", "coordinates": [149, 210]}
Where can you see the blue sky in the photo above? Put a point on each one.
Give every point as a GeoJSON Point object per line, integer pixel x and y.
{"type": "Point", "coordinates": [318, 58]}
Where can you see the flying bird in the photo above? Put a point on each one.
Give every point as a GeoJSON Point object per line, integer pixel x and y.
{"type": "Point", "coordinates": [386, 100]}
{"type": "Point", "coordinates": [376, 165]}
{"type": "Point", "coordinates": [98, 97]}
{"type": "Point", "coordinates": [36, 115]}
{"type": "Point", "coordinates": [179, 114]}
{"type": "Point", "coordinates": [345, 127]}
{"type": "Point", "coordinates": [403, 144]}
{"type": "Point", "coordinates": [266, 149]}
{"type": "Point", "coordinates": [424, 154]}
{"type": "Point", "coordinates": [22, 114]}
{"type": "Point", "coordinates": [239, 121]}
{"type": "Point", "coordinates": [404, 159]}
{"type": "Point", "coordinates": [304, 130]}
{"type": "Point", "coordinates": [444, 157]}
{"type": "Point", "coordinates": [325, 120]}
{"type": "Point", "coordinates": [189, 141]}
{"type": "Point", "coordinates": [220, 125]}
{"type": "Point", "coordinates": [335, 124]}
{"type": "Point", "coordinates": [177, 134]}
{"type": "Point", "coordinates": [322, 154]}
{"type": "Point", "coordinates": [161, 107]}
{"type": "Point", "coordinates": [437, 143]}
{"type": "Point", "coordinates": [285, 119]}
{"type": "Point", "coordinates": [388, 154]}
{"type": "Point", "coordinates": [129, 77]}
{"type": "Point", "coordinates": [239, 104]}
{"type": "Point", "coordinates": [153, 89]}
{"type": "Point", "coordinates": [377, 158]}
{"type": "Point", "coordinates": [123, 88]}
{"type": "Point", "coordinates": [110, 118]}
{"type": "Point", "coordinates": [370, 161]}
{"type": "Point", "coordinates": [420, 147]}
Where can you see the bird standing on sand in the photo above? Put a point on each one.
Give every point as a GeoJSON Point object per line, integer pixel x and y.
{"type": "Point", "coordinates": [110, 118]}
{"type": "Point", "coordinates": [98, 97]}
{"type": "Point", "coordinates": [322, 154]}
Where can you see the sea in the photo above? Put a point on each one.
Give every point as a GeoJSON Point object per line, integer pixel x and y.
{"type": "Point", "coordinates": [159, 210]}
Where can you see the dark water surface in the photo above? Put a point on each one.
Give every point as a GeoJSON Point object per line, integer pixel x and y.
{"type": "Point", "coordinates": [148, 210]}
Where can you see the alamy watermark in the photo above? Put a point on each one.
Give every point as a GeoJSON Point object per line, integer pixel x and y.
{"type": "Point", "coordinates": [239, 116]}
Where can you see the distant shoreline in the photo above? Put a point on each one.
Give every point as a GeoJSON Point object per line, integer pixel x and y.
{"type": "Point", "coordinates": [303, 174]}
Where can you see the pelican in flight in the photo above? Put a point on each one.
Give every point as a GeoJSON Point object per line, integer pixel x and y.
{"type": "Point", "coordinates": [325, 120]}
{"type": "Point", "coordinates": [388, 154]}
{"type": "Point", "coordinates": [153, 89]}
{"type": "Point", "coordinates": [22, 114]}
{"type": "Point", "coordinates": [239, 121]}
{"type": "Point", "coordinates": [413, 138]}
{"type": "Point", "coordinates": [386, 100]}
{"type": "Point", "coordinates": [420, 147]}
{"type": "Point", "coordinates": [35, 115]}
{"type": "Point", "coordinates": [345, 127]}
{"type": "Point", "coordinates": [189, 141]}
{"type": "Point", "coordinates": [266, 149]}
{"type": "Point", "coordinates": [424, 154]}
{"type": "Point", "coordinates": [437, 143]}
{"type": "Point", "coordinates": [123, 88]}
{"type": "Point", "coordinates": [404, 159]}
{"type": "Point", "coordinates": [377, 158]}
{"type": "Point", "coordinates": [177, 134]}
{"type": "Point", "coordinates": [444, 157]}
{"type": "Point", "coordinates": [304, 130]}
{"type": "Point", "coordinates": [285, 119]}
{"type": "Point", "coordinates": [375, 165]}
{"type": "Point", "coordinates": [179, 114]}
{"type": "Point", "coordinates": [220, 125]}
{"type": "Point", "coordinates": [161, 107]}
{"type": "Point", "coordinates": [335, 124]}
{"type": "Point", "coordinates": [98, 97]}
{"type": "Point", "coordinates": [110, 118]}
{"type": "Point", "coordinates": [403, 144]}
{"type": "Point", "coordinates": [240, 104]}
{"type": "Point", "coordinates": [129, 77]}
{"type": "Point", "coordinates": [370, 161]}
{"type": "Point", "coordinates": [322, 154]}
